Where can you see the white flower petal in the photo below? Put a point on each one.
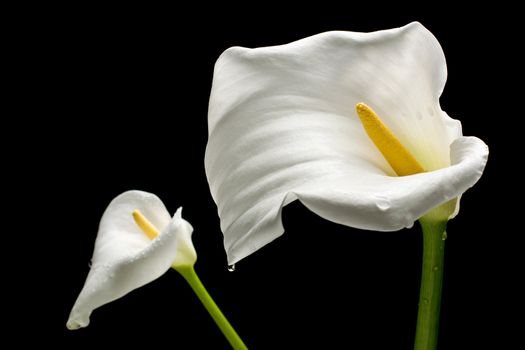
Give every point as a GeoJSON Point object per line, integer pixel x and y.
{"type": "Point", "coordinates": [124, 258]}
{"type": "Point", "coordinates": [282, 126]}
{"type": "Point", "coordinates": [186, 254]}
{"type": "Point", "coordinates": [111, 244]}
{"type": "Point", "coordinates": [400, 73]}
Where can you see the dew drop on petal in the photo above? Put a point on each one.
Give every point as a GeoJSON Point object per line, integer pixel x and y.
{"type": "Point", "coordinates": [430, 111]}
{"type": "Point", "coordinates": [90, 263]}
{"type": "Point", "coordinates": [231, 268]}
{"type": "Point", "coordinates": [382, 203]}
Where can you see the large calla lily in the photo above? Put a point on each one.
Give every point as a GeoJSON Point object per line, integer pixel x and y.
{"type": "Point", "coordinates": [283, 126]}
{"type": "Point", "coordinates": [125, 258]}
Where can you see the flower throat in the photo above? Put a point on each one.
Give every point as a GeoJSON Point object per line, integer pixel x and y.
{"type": "Point", "coordinates": [397, 155]}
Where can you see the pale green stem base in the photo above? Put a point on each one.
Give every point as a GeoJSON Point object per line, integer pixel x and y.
{"type": "Point", "coordinates": [434, 235]}
{"type": "Point", "coordinates": [191, 277]}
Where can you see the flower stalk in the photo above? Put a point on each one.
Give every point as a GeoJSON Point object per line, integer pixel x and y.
{"type": "Point", "coordinates": [434, 235]}
{"type": "Point", "coordinates": [189, 274]}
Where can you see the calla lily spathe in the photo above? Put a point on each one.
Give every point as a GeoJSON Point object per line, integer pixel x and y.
{"type": "Point", "coordinates": [283, 126]}
{"type": "Point", "coordinates": [125, 258]}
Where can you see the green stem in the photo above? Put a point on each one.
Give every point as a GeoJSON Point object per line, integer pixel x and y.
{"type": "Point", "coordinates": [189, 274]}
{"type": "Point", "coordinates": [434, 234]}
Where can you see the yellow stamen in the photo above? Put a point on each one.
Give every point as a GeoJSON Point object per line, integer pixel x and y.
{"type": "Point", "coordinates": [149, 229]}
{"type": "Point", "coordinates": [399, 158]}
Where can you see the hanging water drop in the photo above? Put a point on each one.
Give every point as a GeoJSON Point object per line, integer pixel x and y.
{"type": "Point", "coordinates": [444, 235]}
{"type": "Point", "coordinates": [90, 263]}
{"type": "Point", "coordinates": [231, 268]}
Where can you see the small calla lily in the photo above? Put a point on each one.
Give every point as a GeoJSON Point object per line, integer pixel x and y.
{"type": "Point", "coordinates": [125, 258]}
{"type": "Point", "coordinates": [283, 125]}
{"type": "Point", "coordinates": [137, 242]}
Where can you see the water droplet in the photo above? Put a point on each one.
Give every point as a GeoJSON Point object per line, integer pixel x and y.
{"type": "Point", "coordinates": [231, 268]}
{"type": "Point", "coordinates": [430, 111]}
{"type": "Point", "coordinates": [419, 115]}
{"type": "Point", "coordinates": [382, 203]}
{"type": "Point", "coordinates": [444, 235]}
{"type": "Point", "coordinates": [90, 263]}
{"type": "Point", "coordinates": [435, 268]}
{"type": "Point", "coordinates": [425, 301]}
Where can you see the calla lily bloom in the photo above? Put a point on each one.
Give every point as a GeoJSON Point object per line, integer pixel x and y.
{"type": "Point", "coordinates": [125, 258]}
{"type": "Point", "coordinates": [137, 242]}
{"type": "Point", "coordinates": [283, 126]}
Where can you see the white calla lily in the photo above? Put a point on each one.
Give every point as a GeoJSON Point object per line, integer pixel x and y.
{"type": "Point", "coordinates": [125, 258]}
{"type": "Point", "coordinates": [283, 126]}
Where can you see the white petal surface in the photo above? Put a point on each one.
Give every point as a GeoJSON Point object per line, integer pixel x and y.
{"type": "Point", "coordinates": [124, 258]}
{"type": "Point", "coordinates": [283, 126]}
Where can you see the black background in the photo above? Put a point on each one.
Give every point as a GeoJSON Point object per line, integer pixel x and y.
{"type": "Point", "coordinates": [118, 101]}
